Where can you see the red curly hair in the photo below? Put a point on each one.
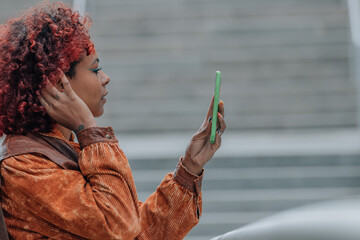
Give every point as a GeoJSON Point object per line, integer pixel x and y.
{"type": "Point", "coordinates": [34, 49]}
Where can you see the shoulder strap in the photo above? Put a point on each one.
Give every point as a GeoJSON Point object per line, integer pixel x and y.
{"type": "Point", "coordinates": [56, 150]}
{"type": "Point", "coordinates": [71, 156]}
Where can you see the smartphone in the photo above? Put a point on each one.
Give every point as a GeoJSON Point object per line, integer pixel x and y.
{"type": "Point", "coordinates": [216, 106]}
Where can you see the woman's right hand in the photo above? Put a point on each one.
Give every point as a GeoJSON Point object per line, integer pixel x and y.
{"type": "Point", "coordinates": [200, 150]}
{"type": "Point", "coordinates": [65, 107]}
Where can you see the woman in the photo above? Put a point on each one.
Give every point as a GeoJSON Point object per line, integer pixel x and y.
{"type": "Point", "coordinates": [52, 87]}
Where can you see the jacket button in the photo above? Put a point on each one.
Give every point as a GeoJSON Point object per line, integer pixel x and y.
{"type": "Point", "coordinates": [108, 136]}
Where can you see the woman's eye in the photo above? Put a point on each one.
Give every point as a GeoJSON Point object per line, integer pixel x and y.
{"type": "Point", "coordinates": [96, 70]}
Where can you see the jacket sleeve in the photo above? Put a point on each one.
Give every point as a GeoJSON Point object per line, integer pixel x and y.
{"type": "Point", "coordinates": [174, 209]}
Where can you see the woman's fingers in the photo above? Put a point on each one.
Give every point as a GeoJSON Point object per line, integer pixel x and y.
{"type": "Point", "coordinates": [46, 95]}
{"type": "Point", "coordinates": [43, 102]}
{"type": "Point", "coordinates": [66, 84]}
{"type": "Point", "coordinates": [222, 124]}
{"type": "Point", "coordinates": [217, 143]}
{"type": "Point", "coordinates": [203, 132]}
{"type": "Point", "coordinates": [221, 108]}
{"type": "Point", "coordinates": [206, 129]}
{"type": "Point", "coordinates": [50, 92]}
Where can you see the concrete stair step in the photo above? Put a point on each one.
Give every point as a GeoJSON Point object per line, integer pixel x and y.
{"type": "Point", "coordinates": [202, 237]}
{"type": "Point", "coordinates": [260, 173]}
{"type": "Point", "coordinates": [179, 88]}
{"type": "Point", "coordinates": [190, 72]}
{"type": "Point", "coordinates": [212, 223]}
{"type": "Point", "coordinates": [226, 24]}
{"type": "Point", "coordinates": [225, 55]}
{"type": "Point", "coordinates": [199, 10]}
{"type": "Point", "coordinates": [265, 184]}
{"type": "Point", "coordinates": [305, 161]}
{"type": "Point", "coordinates": [178, 42]}
{"type": "Point", "coordinates": [256, 205]}
{"type": "Point", "coordinates": [265, 3]}
{"type": "Point", "coordinates": [262, 178]}
{"type": "Point", "coordinates": [141, 123]}
{"type": "Point", "coordinates": [214, 199]}
{"type": "Point", "coordinates": [232, 217]}
{"type": "Point", "coordinates": [251, 104]}
{"type": "Point", "coordinates": [148, 83]}
{"type": "Point", "coordinates": [166, 165]}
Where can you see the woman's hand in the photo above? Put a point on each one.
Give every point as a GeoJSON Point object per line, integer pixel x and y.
{"type": "Point", "coordinates": [200, 150]}
{"type": "Point", "coordinates": [66, 108]}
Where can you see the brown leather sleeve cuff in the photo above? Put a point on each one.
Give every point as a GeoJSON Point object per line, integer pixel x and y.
{"type": "Point", "coordinates": [94, 135]}
{"type": "Point", "coordinates": [187, 179]}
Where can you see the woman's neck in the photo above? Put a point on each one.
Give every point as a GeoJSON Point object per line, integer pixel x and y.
{"type": "Point", "coordinates": [64, 131]}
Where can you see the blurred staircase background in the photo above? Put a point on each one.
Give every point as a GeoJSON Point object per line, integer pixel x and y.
{"type": "Point", "coordinates": [291, 103]}
{"type": "Point", "coordinates": [285, 63]}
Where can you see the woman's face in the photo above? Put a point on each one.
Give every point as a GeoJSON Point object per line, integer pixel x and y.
{"type": "Point", "coordinates": [89, 83]}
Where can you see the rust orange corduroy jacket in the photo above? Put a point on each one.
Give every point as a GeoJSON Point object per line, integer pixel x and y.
{"type": "Point", "coordinates": [41, 200]}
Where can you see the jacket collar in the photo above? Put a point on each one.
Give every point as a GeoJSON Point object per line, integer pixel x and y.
{"type": "Point", "coordinates": [55, 133]}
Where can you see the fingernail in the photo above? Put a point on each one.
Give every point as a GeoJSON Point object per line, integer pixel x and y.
{"type": "Point", "coordinates": [218, 131]}
{"type": "Point", "coordinates": [221, 101]}
{"type": "Point", "coordinates": [209, 119]}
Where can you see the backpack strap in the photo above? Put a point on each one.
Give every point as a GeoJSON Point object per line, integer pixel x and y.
{"type": "Point", "coordinates": [56, 150]}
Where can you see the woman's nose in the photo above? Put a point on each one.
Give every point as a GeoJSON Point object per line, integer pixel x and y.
{"type": "Point", "coordinates": [105, 79]}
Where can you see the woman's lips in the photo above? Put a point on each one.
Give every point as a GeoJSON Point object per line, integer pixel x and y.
{"type": "Point", "coordinates": [103, 99]}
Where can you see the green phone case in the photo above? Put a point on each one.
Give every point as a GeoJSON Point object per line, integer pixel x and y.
{"type": "Point", "coordinates": [216, 106]}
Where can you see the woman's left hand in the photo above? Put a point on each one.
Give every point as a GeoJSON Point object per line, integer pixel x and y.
{"type": "Point", "coordinates": [200, 150]}
{"type": "Point", "coordinates": [65, 107]}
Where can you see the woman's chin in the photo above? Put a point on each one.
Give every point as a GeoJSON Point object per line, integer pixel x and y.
{"type": "Point", "coordinates": [98, 113]}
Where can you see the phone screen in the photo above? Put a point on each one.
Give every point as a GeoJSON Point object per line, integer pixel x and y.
{"type": "Point", "coordinates": [216, 106]}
